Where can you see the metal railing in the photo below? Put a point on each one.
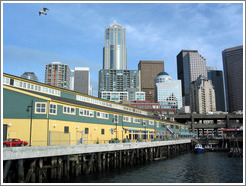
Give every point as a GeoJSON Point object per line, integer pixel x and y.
{"type": "Point", "coordinates": [90, 142]}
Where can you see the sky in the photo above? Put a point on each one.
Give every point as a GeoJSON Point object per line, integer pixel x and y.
{"type": "Point", "coordinates": [73, 34]}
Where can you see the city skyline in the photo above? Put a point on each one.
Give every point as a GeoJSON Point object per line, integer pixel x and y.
{"type": "Point", "coordinates": [73, 34]}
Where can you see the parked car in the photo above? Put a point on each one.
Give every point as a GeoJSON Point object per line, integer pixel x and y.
{"type": "Point", "coordinates": [14, 142]}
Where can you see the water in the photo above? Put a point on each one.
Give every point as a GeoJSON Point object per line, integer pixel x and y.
{"type": "Point", "coordinates": [209, 167]}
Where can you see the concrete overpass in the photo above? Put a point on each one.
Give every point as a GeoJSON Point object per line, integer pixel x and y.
{"type": "Point", "coordinates": [197, 121]}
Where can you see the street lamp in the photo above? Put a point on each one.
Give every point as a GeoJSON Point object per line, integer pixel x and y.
{"type": "Point", "coordinates": [144, 124]}
{"type": "Point", "coordinates": [115, 120]}
{"type": "Point", "coordinates": [30, 106]}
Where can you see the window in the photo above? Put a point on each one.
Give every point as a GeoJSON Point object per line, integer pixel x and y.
{"type": "Point", "coordinates": [151, 122]}
{"type": "Point", "coordinates": [40, 108]}
{"type": "Point", "coordinates": [68, 110]}
{"type": "Point", "coordinates": [136, 120]}
{"type": "Point", "coordinates": [127, 119]}
{"type": "Point", "coordinates": [66, 129]}
{"type": "Point", "coordinates": [102, 131]}
{"type": "Point", "coordinates": [16, 83]}
{"type": "Point", "coordinates": [86, 130]}
{"type": "Point", "coordinates": [102, 115]}
{"type": "Point", "coordinates": [5, 80]}
{"type": "Point", "coordinates": [53, 108]}
{"type": "Point", "coordinates": [84, 112]}
{"type": "Point", "coordinates": [116, 119]}
{"type": "Point", "coordinates": [144, 122]}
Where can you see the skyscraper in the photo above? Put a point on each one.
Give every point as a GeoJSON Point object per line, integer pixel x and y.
{"type": "Point", "coordinates": [57, 74]}
{"type": "Point", "coordinates": [29, 75]}
{"type": "Point", "coordinates": [216, 76]}
{"type": "Point", "coordinates": [168, 91]}
{"type": "Point", "coordinates": [148, 72]}
{"type": "Point", "coordinates": [233, 74]}
{"type": "Point", "coordinates": [190, 65]}
{"type": "Point", "coordinates": [115, 51]}
{"type": "Point", "coordinates": [202, 96]}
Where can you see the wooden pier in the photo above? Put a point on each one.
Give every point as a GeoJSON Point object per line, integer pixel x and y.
{"type": "Point", "coordinates": [51, 163]}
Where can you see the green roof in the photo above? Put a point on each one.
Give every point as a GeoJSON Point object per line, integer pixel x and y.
{"type": "Point", "coordinates": [162, 73]}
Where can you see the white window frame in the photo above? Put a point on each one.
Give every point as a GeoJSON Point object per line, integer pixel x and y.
{"type": "Point", "coordinates": [6, 80]}
{"type": "Point", "coordinates": [136, 120]}
{"type": "Point", "coordinates": [16, 82]}
{"type": "Point", "coordinates": [85, 112]}
{"type": "Point", "coordinates": [39, 105]}
{"type": "Point", "coordinates": [68, 110]}
{"type": "Point", "coordinates": [117, 118]}
{"type": "Point", "coordinates": [102, 115]}
{"type": "Point", "coordinates": [151, 122]}
{"type": "Point", "coordinates": [127, 119]}
{"type": "Point", "coordinates": [53, 109]}
{"type": "Point", "coordinates": [146, 122]}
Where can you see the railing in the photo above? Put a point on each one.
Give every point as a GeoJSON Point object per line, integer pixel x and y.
{"type": "Point", "coordinates": [89, 142]}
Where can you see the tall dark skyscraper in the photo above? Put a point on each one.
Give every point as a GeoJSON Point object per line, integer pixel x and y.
{"type": "Point", "coordinates": [216, 76]}
{"type": "Point", "coordinates": [190, 65]}
{"type": "Point", "coordinates": [233, 74]}
{"type": "Point", "coordinates": [80, 80]}
{"type": "Point", "coordinates": [148, 72]}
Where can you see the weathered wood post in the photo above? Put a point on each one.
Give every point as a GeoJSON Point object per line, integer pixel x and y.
{"type": "Point", "coordinates": [99, 163]}
{"type": "Point", "coordinates": [6, 169]}
{"type": "Point", "coordinates": [21, 171]}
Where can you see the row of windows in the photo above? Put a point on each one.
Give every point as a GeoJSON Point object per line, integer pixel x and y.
{"type": "Point", "coordinates": [58, 93]}
{"type": "Point", "coordinates": [84, 112]}
{"type": "Point", "coordinates": [98, 102]}
{"type": "Point", "coordinates": [30, 86]}
{"type": "Point", "coordinates": [40, 108]}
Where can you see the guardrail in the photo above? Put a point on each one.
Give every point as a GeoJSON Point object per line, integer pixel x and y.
{"type": "Point", "coordinates": [90, 142]}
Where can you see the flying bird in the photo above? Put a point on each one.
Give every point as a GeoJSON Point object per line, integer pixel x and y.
{"type": "Point", "coordinates": [44, 11]}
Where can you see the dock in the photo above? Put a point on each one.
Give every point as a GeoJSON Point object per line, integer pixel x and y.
{"type": "Point", "coordinates": [45, 164]}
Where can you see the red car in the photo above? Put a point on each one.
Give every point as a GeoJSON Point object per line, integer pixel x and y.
{"type": "Point", "coordinates": [14, 142]}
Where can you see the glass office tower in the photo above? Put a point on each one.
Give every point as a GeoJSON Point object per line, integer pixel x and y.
{"type": "Point", "coordinates": [114, 50]}
{"type": "Point", "coordinates": [168, 91]}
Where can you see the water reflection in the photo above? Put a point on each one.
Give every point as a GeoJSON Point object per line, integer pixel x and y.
{"type": "Point", "coordinates": [210, 167]}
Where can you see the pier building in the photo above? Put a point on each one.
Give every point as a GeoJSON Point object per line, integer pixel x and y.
{"type": "Point", "coordinates": [46, 115]}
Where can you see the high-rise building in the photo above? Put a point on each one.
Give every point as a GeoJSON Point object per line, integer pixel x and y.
{"type": "Point", "coordinates": [115, 51]}
{"type": "Point", "coordinates": [82, 80]}
{"type": "Point", "coordinates": [148, 72]}
{"type": "Point", "coordinates": [29, 75]}
{"type": "Point", "coordinates": [233, 75]}
{"type": "Point", "coordinates": [202, 96]}
{"type": "Point", "coordinates": [216, 76]}
{"type": "Point", "coordinates": [190, 65]}
{"type": "Point", "coordinates": [71, 80]}
{"type": "Point", "coordinates": [90, 91]}
{"type": "Point", "coordinates": [57, 74]}
{"type": "Point", "coordinates": [168, 91]}
{"type": "Point", "coordinates": [114, 85]}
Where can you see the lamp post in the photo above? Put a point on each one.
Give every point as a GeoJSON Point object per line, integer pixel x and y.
{"type": "Point", "coordinates": [115, 121]}
{"type": "Point", "coordinates": [144, 123]}
{"type": "Point", "coordinates": [30, 106]}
